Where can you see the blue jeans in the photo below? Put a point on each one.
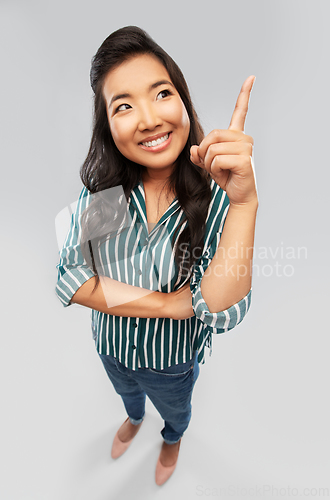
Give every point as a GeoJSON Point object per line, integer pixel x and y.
{"type": "Point", "coordinates": [169, 390]}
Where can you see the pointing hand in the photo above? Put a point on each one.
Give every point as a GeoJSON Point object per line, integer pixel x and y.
{"type": "Point", "coordinates": [227, 154]}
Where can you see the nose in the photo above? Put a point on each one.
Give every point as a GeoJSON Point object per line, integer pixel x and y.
{"type": "Point", "coordinates": [148, 117]}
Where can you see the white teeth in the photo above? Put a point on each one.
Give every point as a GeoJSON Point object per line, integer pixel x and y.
{"type": "Point", "coordinates": [155, 143]}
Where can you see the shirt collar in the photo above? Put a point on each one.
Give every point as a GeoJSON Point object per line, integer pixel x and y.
{"type": "Point", "coordinates": [137, 200]}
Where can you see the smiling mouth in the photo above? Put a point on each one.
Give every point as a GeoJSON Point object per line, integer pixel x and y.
{"type": "Point", "coordinates": [157, 142]}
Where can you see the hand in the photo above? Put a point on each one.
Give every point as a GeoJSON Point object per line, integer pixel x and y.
{"type": "Point", "coordinates": [227, 154]}
{"type": "Point", "coordinates": [179, 303]}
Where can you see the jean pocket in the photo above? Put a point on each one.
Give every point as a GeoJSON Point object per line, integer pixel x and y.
{"type": "Point", "coordinates": [173, 371]}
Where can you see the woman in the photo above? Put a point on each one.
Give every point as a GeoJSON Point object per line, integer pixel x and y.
{"type": "Point", "coordinates": [165, 224]}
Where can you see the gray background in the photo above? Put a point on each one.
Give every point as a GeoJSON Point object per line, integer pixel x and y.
{"type": "Point", "coordinates": [260, 408]}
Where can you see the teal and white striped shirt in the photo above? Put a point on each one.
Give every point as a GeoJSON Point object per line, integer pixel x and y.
{"type": "Point", "coordinates": [137, 257]}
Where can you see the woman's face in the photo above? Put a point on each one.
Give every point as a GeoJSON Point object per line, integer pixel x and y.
{"type": "Point", "coordinates": [148, 120]}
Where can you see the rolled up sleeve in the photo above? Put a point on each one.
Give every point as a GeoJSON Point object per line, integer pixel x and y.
{"type": "Point", "coordinates": [222, 321]}
{"type": "Point", "coordinates": [73, 271]}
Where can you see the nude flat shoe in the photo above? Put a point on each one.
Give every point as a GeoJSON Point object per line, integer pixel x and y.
{"type": "Point", "coordinates": [163, 473]}
{"type": "Point", "coordinates": [119, 447]}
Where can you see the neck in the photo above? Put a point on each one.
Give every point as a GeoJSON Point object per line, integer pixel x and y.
{"type": "Point", "coordinates": [157, 182]}
{"type": "Point", "coordinates": [156, 178]}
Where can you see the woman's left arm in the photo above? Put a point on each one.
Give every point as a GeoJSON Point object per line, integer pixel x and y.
{"type": "Point", "coordinates": [227, 156]}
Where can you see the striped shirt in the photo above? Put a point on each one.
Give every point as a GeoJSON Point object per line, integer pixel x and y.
{"type": "Point", "coordinates": [146, 259]}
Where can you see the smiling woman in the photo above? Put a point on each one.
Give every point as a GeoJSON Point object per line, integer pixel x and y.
{"type": "Point", "coordinates": [162, 204]}
{"type": "Point", "coordinates": [142, 99]}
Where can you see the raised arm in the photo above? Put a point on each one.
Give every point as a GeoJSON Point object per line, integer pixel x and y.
{"type": "Point", "coordinates": [227, 156]}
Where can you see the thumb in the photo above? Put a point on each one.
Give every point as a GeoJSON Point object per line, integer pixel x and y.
{"type": "Point", "coordinates": [194, 156]}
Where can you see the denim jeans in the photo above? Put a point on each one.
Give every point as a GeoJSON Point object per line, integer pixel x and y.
{"type": "Point", "coordinates": [170, 391]}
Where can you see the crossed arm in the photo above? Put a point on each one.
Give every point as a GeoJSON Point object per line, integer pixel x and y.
{"type": "Point", "coordinates": [120, 299]}
{"type": "Point", "coordinates": [225, 282]}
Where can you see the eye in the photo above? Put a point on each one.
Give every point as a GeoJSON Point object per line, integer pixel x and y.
{"type": "Point", "coordinates": [163, 93]}
{"type": "Point", "coordinates": [122, 107]}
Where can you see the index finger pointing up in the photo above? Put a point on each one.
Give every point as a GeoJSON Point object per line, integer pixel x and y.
{"type": "Point", "coordinates": [242, 105]}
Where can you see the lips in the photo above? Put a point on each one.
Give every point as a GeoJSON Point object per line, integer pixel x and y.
{"type": "Point", "coordinates": [157, 142]}
{"type": "Point", "coordinates": [154, 137]}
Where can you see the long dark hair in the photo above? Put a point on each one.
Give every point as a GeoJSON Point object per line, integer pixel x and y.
{"type": "Point", "coordinates": [106, 167]}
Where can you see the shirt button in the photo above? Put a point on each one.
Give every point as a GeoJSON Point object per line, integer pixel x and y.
{"type": "Point", "coordinates": [139, 272]}
{"type": "Point", "coordinates": [135, 325]}
{"type": "Point", "coordinates": [133, 346]}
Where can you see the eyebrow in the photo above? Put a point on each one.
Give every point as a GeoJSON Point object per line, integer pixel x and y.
{"type": "Point", "coordinates": [152, 86]}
